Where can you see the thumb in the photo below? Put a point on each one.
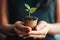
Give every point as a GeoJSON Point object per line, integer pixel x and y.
{"type": "Point", "coordinates": [41, 25]}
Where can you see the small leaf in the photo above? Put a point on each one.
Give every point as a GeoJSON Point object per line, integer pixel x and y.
{"type": "Point", "coordinates": [27, 6]}
{"type": "Point", "coordinates": [32, 10]}
{"type": "Point", "coordinates": [27, 10]}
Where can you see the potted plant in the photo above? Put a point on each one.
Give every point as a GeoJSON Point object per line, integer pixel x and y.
{"type": "Point", "coordinates": [30, 21]}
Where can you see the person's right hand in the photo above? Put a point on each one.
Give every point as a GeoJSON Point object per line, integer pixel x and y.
{"type": "Point", "coordinates": [20, 29]}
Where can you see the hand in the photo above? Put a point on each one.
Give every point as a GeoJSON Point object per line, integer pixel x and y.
{"type": "Point", "coordinates": [41, 30]}
{"type": "Point", "coordinates": [20, 29]}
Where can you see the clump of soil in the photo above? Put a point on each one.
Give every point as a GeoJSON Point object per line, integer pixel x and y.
{"type": "Point", "coordinates": [30, 21]}
{"type": "Point", "coordinates": [30, 18]}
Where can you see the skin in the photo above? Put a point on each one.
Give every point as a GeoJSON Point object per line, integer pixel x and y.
{"type": "Point", "coordinates": [42, 29]}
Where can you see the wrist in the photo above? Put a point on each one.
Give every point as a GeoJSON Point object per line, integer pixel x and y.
{"type": "Point", "coordinates": [50, 31]}
{"type": "Point", "coordinates": [11, 30]}
{"type": "Point", "coordinates": [8, 29]}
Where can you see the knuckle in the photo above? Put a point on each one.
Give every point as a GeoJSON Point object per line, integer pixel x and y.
{"type": "Point", "coordinates": [20, 35]}
{"type": "Point", "coordinates": [18, 22]}
{"type": "Point", "coordinates": [37, 28]}
{"type": "Point", "coordinates": [44, 36]}
{"type": "Point", "coordinates": [28, 29]}
{"type": "Point", "coordinates": [42, 21]}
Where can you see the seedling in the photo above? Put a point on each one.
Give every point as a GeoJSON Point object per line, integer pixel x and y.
{"type": "Point", "coordinates": [29, 9]}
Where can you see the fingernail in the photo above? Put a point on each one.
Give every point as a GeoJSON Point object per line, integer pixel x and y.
{"type": "Point", "coordinates": [24, 37]}
{"type": "Point", "coordinates": [20, 35]}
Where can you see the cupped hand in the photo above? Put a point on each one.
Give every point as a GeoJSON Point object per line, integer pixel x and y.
{"type": "Point", "coordinates": [20, 29]}
{"type": "Point", "coordinates": [40, 31]}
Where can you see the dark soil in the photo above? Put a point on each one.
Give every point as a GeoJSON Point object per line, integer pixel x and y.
{"type": "Point", "coordinates": [30, 18]}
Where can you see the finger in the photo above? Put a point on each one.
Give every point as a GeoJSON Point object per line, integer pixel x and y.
{"type": "Point", "coordinates": [38, 36]}
{"type": "Point", "coordinates": [21, 27]}
{"type": "Point", "coordinates": [43, 31]}
{"type": "Point", "coordinates": [41, 25]}
{"type": "Point", "coordinates": [24, 37]}
{"type": "Point", "coordinates": [36, 33]}
{"type": "Point", "coordinates": [20, 33]}
{"type": "Point", "coordinates": [20, 22]}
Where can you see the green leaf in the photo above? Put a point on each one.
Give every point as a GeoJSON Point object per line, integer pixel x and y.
{"type": "Point", "coordinates": [27, 6]}
{"type": "Point", "coordinates": [27, 10]}
{"type": "Point", "coordinates": [32, 10]}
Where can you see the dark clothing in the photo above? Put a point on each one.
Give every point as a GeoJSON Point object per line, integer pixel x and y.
{"type": "Point", "coordinates": [17, 13]}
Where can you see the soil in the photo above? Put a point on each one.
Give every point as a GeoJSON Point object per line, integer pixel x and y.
{"type": "Point", "coordinates": [30, 18]}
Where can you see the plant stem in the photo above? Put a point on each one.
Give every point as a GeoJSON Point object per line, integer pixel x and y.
{"type": "Point", "coordinates": [29, 14]}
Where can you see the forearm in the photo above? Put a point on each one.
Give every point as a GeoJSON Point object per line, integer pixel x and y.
{"type": "Point", "coordinates": [57, 15]}
{"type": "Point", "coordinates": [54, 28]}
{"type": "Point", "coordinates": [4, 12]}
{"type": "Point", "coordinates": [7, 29]}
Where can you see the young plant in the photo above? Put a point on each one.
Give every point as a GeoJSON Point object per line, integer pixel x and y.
{"type": "Point", "coordinates": [29, 9]}
{"type": "Point", "coordinates": [30, 21]}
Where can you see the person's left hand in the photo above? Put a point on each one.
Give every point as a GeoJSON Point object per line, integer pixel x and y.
{"type": "Point", "coordinates": [40, 31]}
